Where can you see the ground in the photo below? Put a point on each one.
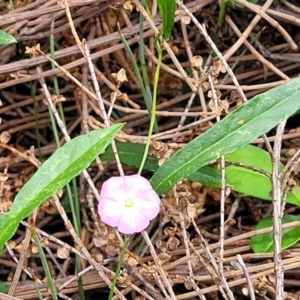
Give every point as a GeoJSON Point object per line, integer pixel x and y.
{"type": "Point", "coordinates": [63, 51]}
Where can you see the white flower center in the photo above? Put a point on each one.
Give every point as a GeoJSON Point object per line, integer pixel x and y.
{"type": "Point", "coordinates": [128, 203]}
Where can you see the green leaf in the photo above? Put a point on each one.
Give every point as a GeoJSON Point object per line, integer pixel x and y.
{"type": "Point", "coordinates": [4, 288]}
{"type": "Point", "coordinates": [207, 176]}
{"type": "Point", "coordinates": [254, 183]}
{"type": "Point", "coordinates": [238, 129]}
{"type": "Point", "coordinates": [65, 163]}
{"type": "Point", "coordinates": [167, 12]}
{"type": "Point", "coordinates": [240, 179]}
{"type": "Point", "coordinates": [131, 154]}
{"type": "Point", "coordinates": [263, 243]}
{"type": "Point", "coordinates": [294, 196]}
{"type": "Point", "coordinates": [6, 38]}
{"type": "Point", "coordinates": [246, 181]}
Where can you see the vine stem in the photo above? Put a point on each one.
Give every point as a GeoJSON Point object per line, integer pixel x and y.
{"type": "Point", "coordinates": [153, 108]}
{"type": "Point", "coordinates": [114, 282]}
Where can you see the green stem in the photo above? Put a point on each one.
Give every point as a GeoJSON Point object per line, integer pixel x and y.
{"type": "Point", "coordinates": [73, 197]}
{"type": "Point", "coordinates": [37, 289]}
{"type": "Point", "coordinates": [137, 73]}
{"type": "Point", "coordinates": [153, 109]}
{"type": "Point", "coordinates": [114, 282]}
{"type": "Point", "coordinates": [50, 281]}
{"type": "Point", "coordinates": [220, 20]}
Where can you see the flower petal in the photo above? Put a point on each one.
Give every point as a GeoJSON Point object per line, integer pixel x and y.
{"type": "Point", "coordinates": [110, 211]}
{"type": "Point", "coordinates": [132, 221]}
{"type": "Point", "coordinates": [135, 184]}
{"type": "Point", "coordinates": [113, 188]}
{"type": "Point", "coordinates": [148, 203]}
{"type": "Point", "coordinates": [114, 212]}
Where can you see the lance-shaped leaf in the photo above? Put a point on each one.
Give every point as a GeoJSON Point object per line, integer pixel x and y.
{"type": "Point", "coordinates": [241, 127]}
{"type": "Point", "coordinates": [65, 163]}
{"type": "Point", "coordinates": [131, 154]}
{"type": "Point", "coordinates": [167, 12]}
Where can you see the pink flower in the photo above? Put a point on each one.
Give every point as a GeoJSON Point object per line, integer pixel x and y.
{"type": "Point", "coordinates": [128, 202]}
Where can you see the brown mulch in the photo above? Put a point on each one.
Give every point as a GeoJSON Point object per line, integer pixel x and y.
{"type": "Point", "coordinates": [26, 126]}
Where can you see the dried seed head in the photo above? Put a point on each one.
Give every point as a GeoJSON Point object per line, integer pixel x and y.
{"type": "Point", "coordinates": [290, 153]}
{"type": "Point", "coordinates": [100, 241]}
{"type": "Point", "coordinates": [98, 257]}
{"type": "Point", "coordinates": [128, 5]}
{"type": "Point", "coordinates": [219, 66]}
{"type": "Point", "coordinates": [63, 252]}
{"type": "Point", "coordinates": [197, 62]}
{"type": "Point", "coordinates": [186, 20]}
{"type": "Point", "coordinates": [5, 137]}
{"type": "Point", "coordinates": [124, 280]}
{"type": "Point", "coordinates": [161, 245]}
{"type": "Point", "coordinates": [163, 258]}
{"type": "Point", "coordinates": [120, 76]}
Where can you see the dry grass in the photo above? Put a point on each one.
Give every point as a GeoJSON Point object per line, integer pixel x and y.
{"type": "Point", "coordinates": [188, 258]}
